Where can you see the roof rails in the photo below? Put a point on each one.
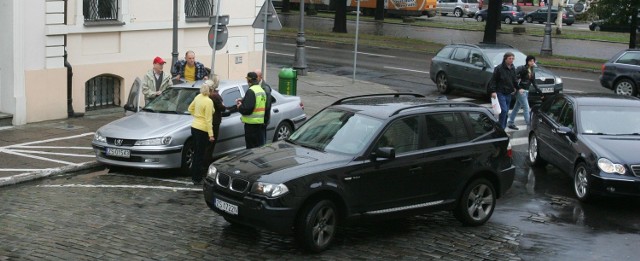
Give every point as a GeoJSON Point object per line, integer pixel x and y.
{"type": "Point", "coordinates": [441, 104]}
{"type": "Point", "coordinates": [395, 95]}
{"type": "Point", "coordinates": [487, 44]}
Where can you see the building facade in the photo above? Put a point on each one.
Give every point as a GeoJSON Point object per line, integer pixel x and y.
{"type": "Point", "coordinates": [108, 43]}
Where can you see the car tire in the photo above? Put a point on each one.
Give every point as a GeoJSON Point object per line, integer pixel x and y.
{"type": "Point", "coordinates": [316, 225]}
{"type": "Point", "coordinates": [479, 18]}
{"type": "Point", "coordinates": [597, 28]}
{"type": "Point", "coordinates": [443, 14]}
{"type": "Point", "coordinates": [442, 83]}
{"type": "Point", "coordinates": [581, 183]}
{"type": "Point", "coordinates": [507, 20]}
{"type": "Point", "coordinates": [457, 12]}
{"type": "Point", "coordinates": [625, 87]}
{"type": "Point", "coordinates": [476, 204]}
{"type": "Point", "coordinates": [520, 22]}
{"type": "Point", "coordinates": [283, 131]}
{"type": "Point", "coordinates": [569, 24]}
{"type": "Point", "coordinates": [187, 157]}
{"type": "Point", "coordinates": [535, 159]}
{"type": "Point", "coordinates": [529, 19]}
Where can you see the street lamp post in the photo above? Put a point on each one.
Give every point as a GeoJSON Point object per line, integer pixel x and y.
{"type": "Point", "coordinates": [174, 53]}
{"type": "Point", "coordinates": [546, 49]}
{"type": "Point", "coordinates": [300, 61]}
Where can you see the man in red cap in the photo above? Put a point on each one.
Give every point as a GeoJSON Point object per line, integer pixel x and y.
{"type": "Point", "coordinates": [155, 81]}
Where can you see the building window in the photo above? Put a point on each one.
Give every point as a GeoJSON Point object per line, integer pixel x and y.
{"type": "Point", "coordinates": [197, 8]}
{"type": "Point", "coordinates": [102, 92]}
{"type": "Point", "coordinates": [100, 10]}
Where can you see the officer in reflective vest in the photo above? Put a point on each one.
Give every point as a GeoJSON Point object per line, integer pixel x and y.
{"type": "Point", "coordinates": [252, 107]}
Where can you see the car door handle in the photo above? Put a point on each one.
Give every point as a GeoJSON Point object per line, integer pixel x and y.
{"type": "Point", "coordinates": [466, 159]}
{"type": "Point", "coordinates": [276, 110]}
{"type": "Point", "coordinates": [414, 169]}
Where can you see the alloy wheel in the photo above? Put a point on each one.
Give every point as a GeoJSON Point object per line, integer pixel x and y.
{"type": "Point", "coordinates": [480, 202]}
{"type": "Point", "coordinates": [581, 184]}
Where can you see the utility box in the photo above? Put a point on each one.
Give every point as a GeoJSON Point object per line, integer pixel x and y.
{"type": "Point", "coordinates": [288, 79]}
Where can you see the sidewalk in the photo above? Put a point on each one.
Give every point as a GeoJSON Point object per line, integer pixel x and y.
{"type": "Point", "coordinates": [55, 147]}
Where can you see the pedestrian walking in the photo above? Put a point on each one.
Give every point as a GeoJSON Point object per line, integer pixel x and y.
{"type": "Point", "coordinates": [267, 112]}
{"type": "Point", "coordinates": [252, 108]}
{"type": "Point", "coordinates": [527, 77]}
{"type": "Point", "coordinates": [218, 108]}
{"type": "Point", "coordinates": [201, 108]}
{"type": "Point", "coordinates": [502, 85]}
{"type": "Point", "coordinates": [155, 81]}
{"type": "Point", "coordinates": [189, 69]}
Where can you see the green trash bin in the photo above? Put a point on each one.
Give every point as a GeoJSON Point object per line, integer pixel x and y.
{"type": "Point", "coordinates": [288, 79]}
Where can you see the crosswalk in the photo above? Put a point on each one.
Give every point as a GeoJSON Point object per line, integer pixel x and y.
{"type": "Point", "coordinates": [516, 137]}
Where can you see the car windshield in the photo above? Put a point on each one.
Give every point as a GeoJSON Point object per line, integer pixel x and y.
{"type": "Point", "coordinates": [337, 131]}
{"type": "Point", "coordinates": [610, 120]}
{"type": "Point", "coordinates": [173, 100]}
{"type": "Point", "coordinates": [495, 56]}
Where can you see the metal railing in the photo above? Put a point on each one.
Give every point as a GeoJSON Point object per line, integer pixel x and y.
{"type": "Point", "coordinates": [102, 92]}
{"type": "Point", "coordinates": [197, 8]}
{"type": "Point", "coordinates": [100, 10]}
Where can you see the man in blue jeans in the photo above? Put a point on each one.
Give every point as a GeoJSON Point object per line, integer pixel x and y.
{"type": "Point", "coordinates": [502, 85]}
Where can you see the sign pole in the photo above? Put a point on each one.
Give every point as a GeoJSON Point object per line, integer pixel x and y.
{"type": "Point", "coordinates": [264, 41]}
{"type": "Point", "coordinates": [215, 41]}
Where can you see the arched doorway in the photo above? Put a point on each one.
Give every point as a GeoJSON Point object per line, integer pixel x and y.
{"type": "Point", "coordinates": [102, 91]}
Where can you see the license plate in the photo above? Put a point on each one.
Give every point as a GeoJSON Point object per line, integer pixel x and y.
{"type": "Point", "coordinates": [227, 207]}
{"type": "Point", "coordinates": [547, 90]}
{"type": "Point", "coordinates": [122, 153]}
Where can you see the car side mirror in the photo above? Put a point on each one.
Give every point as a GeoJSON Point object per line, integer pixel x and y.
{"type": "Point", "coordinates": [566, 131]}
{"type": "Point", "coordinates": [129, 107]}
{"type": "Point", "coordinates": [384, 153]}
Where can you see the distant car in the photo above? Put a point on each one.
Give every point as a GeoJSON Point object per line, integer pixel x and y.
{"type": "Point", "coordinates": [610, 26]}
{"type": "Point", "coordinates": [594, 138]}
{"type": "Point", "coordinates": [540, 16]}
{"type": "Point", "coordinates": [578, 6]}
{"type": "Point", "coordinates": [367, 157]}
{"type": "Point", "coordinates": [508, 15]}
{"type": "Point", "coordinates": [458, 8]}
{"type": "Point", "coordinates": [159, 136]}
{"type": "Point", "coordinates": [469, 67]}
{"type": "Point", "coordinates": [621, 73]}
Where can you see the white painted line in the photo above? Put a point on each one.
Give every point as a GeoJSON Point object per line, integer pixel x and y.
{"type": "Point", "coordinates": [50, 147]}
{"type": "Point", "coordinates": [519, 141]}
{"type": "Point", "coordinates": [284, 54]}
{"type": "Point", "coordinates": [36, 157]}
{"type": "Point", "coordinates": [577, 79]}
{"type": "Point", "coordinates": [54, 153]}
{"type": "Point", "coordinates": [404, 69]}
{"type": "Point", "coordinates": [120, 186]}
{"type": "Point", "coordinates": [49, 140]}
{"type": "Point", "coordinates": [571, 91]}
{"type": "Point", "coordinates": [379, 55]}
{"type": "Point", "coordinates": [306, 46]}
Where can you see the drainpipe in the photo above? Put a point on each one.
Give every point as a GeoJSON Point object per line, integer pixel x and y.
{"type": "Point", "coordinates": [70, 112]}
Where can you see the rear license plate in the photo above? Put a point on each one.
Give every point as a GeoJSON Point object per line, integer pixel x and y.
{"type": "Point", "coordinates": [547, 90]}
{"type": "Point", "coordinates": [122, 153]}
{"type": "Point", "coordinates": [227, 207]}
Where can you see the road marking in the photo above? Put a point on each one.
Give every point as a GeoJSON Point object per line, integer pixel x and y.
{"type": "Point", "coordinates": [55, 153]}
{"type": "Point", "coordinates": [404, 69]}
{"type": "Point", "coordinates": [577, 79]}
{"type": "Point", "coordinates": [165, 180]}
{"type": "Point", "coordinates": [120, 186]}
{"type": "Point", "coordinates": [571, 91]}
{"type": "Point", "coordinates": [284, 54]}
{"type": "Point", "coordinates": [20, 150]}
{"type": "Point", "coordinates": [306, 46]}
{"type": "Point", "coordinates": [379, 55]}
{"type": "Point", "coordinates": [37, 157]}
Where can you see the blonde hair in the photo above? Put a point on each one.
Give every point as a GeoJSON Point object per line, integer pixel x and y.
{"type": "Point", "coordinates": [205, 89]}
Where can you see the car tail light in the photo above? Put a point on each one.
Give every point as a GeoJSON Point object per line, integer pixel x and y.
{"type": "Point", "coordinates": [603, 68]}
{"type": "Point", "coordinates": [513, 13]}
{"type": "Point", "coordinates": [509, 151]}
{"type": "Point", "coordinates": [564, 16]}
{"type": "Point", "coordinates": [301, 106]}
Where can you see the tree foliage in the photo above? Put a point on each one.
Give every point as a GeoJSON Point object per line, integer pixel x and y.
{"type": "Point", "coordinates": [622, 12]}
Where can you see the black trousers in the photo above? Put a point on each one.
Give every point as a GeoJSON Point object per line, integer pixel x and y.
{"type": "Point", "coordinates": [254, 135]}
{"type": "Point", "coordinates": [200, 142]}
{"type": "Point", "coordinates": [212, 145]}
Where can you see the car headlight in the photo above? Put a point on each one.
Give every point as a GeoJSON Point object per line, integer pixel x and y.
{"type": "Point", "coordinates": [558, 80]}
{"type": "Point", "coordinates": [610, 167]}
{"type": "Point", "coordinates": [99, 138]}
{"type": "Point", "coordinates": [269, 190]}
{"type": "Point", "coordinates": [212, 172]}
{"type": "Point", "coordinates": [154, 141]}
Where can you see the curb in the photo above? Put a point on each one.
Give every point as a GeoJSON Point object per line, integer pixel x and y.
{"type": "Point", "coordinates": [24, 177]}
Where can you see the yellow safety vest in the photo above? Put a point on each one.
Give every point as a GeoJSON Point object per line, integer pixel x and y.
{"type": "Point", "coordinates": [257, 116]}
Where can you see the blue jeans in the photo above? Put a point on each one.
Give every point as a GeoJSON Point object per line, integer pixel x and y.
{"type": "Point", "coordinates": [521, 101]}
{"type": "Point", "coordinates": [505, 100]}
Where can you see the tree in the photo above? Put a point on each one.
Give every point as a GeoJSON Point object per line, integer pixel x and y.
{"type": "Point", "coordinates": [623, 12]}
{"type": "Point", "coordinates": [493, 20]}
{"type": "Point", "coordinates": [286, 6]}
{"type": "Point", "coordinates": [340, 20]}
{"type": "Point", "coordinates": [379, 16]}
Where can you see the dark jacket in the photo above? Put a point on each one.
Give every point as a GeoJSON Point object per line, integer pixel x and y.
{"type": "Point", "coordinates": [218, 106]}
{"type": "Point", "coordinates": [504, 79]}
{"type": "Point", "coordinates": [267, 111]}
{"type": "Point", "coordinates": [526, 80]}
{"type": "Point", "coordinates": [178, 69]}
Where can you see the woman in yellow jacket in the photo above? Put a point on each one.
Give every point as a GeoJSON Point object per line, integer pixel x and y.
{"type": "Point", "coordinates": [201, 129]}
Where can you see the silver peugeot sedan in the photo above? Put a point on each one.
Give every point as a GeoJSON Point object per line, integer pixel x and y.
{"type": "Point", "coordinates": [158, 136]}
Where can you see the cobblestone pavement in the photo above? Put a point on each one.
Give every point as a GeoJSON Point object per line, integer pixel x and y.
{"type": "Point", "coordinates": [104, 215]}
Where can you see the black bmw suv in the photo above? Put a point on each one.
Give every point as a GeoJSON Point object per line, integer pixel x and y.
{"type": "Point", "coordinates": [370, 156]}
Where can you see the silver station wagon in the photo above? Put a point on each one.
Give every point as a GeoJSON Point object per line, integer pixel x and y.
{"type": "Point", "coordinates": [158, 136]}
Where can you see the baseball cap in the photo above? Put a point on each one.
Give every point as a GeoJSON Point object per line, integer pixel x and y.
{"type": "Point", "coordinates": [252, 76]}
{"type": "Point", "coordinates": [158, 60]}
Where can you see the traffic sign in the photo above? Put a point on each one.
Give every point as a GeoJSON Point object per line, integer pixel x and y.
{"type": "Point", "coordinates": [273, 23]}
{"type": "Point", "coordinates": [223, 35]}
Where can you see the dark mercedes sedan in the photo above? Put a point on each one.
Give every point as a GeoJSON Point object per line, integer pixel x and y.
{"type": "Point", "coordinates": [622, 72]}
{"type": "Point", "coordinates": [595, 138]}
{"type": "Point", "coordinates": [373, 156]}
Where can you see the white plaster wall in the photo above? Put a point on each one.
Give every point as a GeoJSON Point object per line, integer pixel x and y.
{"type": "Point", "coordinates": [7, 103]}
{"type": "Point", "coordinates": [34, 35]}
